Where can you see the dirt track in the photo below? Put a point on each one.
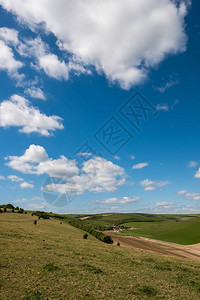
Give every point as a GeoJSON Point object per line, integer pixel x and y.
{"type": "Point", "coordinates": [189, 251]}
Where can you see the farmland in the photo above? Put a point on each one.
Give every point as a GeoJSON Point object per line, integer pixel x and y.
{"type": "Point", "coordinates": [181, 229]}
{"type": "Point", "coordinates": [51, 260]}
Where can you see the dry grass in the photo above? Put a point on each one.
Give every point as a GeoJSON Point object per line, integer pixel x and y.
{"type": "Point", "coordinates": [52, 261]}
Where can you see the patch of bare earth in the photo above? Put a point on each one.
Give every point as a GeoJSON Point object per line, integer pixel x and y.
{"type": "Point", "coordinates": [84, 218]}
{"type": "Point", "coordinates": [189, 251]}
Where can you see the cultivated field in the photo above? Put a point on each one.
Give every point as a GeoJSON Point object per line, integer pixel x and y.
{"type": "Point", "coordinates": [52, 261]}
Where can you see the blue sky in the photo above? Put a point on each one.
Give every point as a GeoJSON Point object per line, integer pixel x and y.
{"type": "Point", "coordinates": [67, 72]}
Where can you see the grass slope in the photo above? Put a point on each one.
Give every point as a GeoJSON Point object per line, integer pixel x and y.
{"type": "Point", "coordinates": [52, 261]}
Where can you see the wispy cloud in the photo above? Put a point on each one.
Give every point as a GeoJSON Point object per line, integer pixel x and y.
{"type": "Point", "coordinates": [140, 165]}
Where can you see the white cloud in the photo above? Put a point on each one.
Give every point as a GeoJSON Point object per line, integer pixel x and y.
{"type": "Point", "coordinates": [95, 174]}
{"type": "Point", "coordinates": [182, 192]}
{"type": "Point", "coordinates": [53, 67]}
{"type": "Point", "coordinates": [35, 92]}
{"type": "Point", "coordinates": [8, 62]}
{"type": "Point", "coordinates": [2, 177]}
{"type": "Point", "coordinates": [192, 164]}
{"type": "Point", "coordinates": [116, 157]}
{"type": "Point", "coordinates": [162, 107]}
{"type": "Point", "coordinates": [26, 185]}
{"type": "Point", "coordinates": [140, 166]}
{"type": "Point", "coordinates": [132, 157]}
{"type": "Point", "coordinates": [165, 204]}
{"type": "Point", "coordinates": [149, 188]}
{"type": "Point", "coordinates": [47, 61]}
{"type": "Point", "coordinates": [197, 174]}
{"type": "Point", "coordinates": [122, 39]}
{"type": "Point", "coordinates": [20, 200]}
{"type": "Point", "coordinates": [122, 200]}
{"type": "Point", "coordinates": [167, 85]}
{"type": "Point", "coordinates": [15, 178]}
{"type": "Point", "coordinates": [150, 185]}
{"type": "Point", "coordinates": [18, 112]}
{"type": "Point", "coordinates": [9, 36]}
{"type": "Point", "coordinates": [189, 196]}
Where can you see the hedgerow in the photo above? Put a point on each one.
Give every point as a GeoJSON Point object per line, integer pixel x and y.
{"type": "Point", "coordinates": [99, 235]}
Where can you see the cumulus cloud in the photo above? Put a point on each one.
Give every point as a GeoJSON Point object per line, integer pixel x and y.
{"type": "Point", "coordinates": [197, 174]}
{"type": "Point", "coordinates": [140, 166]}
{"type": "Point", "coordinates": [26, 185]}
{"type": "Point", "coordinates": [122, 200]}
{"type": "Point", "coordinates": [15, 178]}
{"type": "Point", "coordinates": [18, 112]}
{"type": "Point", "coordinates": [189, 196]}
{"type": "Point", "coordinates": [53, 67]}
{"type": "Point", "coordinates": [122, 39]}
{"type": "Point", "coordinates": [8, 62]}
{"type": "Point", "coordinates": [150, 185]}
{"type": "Point", "coordinates": [9, 35]}
{"type": "Point", "coordinates": [95, 174]}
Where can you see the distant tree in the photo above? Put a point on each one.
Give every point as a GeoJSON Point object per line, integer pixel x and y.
{"type": "Point", "coordinates": [17, 208]}
{"type": "Point", "coordinates": [5, 209]}
{"type": "Point", "coordinates": [35, 222]}
{"type": "Point", "coordinates": [0, 210]}
{"type": "Point", "coordinates": [10, 206]}
{"type": "Point", "coordinates": [21, 211]}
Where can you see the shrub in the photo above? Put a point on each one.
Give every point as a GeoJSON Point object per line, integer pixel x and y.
{"type": "Point", "coordinates": [148, 290]}
{"type": "Point", "coordinates": [20, 211]}
{"type": "Point", "coordinates": [85, 236]}
{"type": "Point", "coordinates": [35, 222]}
{"type": "Point", "coordinates": [50, 268]}
{"type": "Point", "coordinates": [118, 244]}
{"type": "Point", "coordinates": [0, 211]}
{"type": "Point", "coordinates": [92, 269]}
{"type": "Point", "coordinates": [5, 209]}
{"type": "Point", "coordinates": [33, 296]}
{"type": "Point", "coordinates": [60, 222]}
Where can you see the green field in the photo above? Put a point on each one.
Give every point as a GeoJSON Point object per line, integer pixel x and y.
{"type": "Point", "coordinates": [181, 229]}
{"type": "Point", "coordinates": [52, 261]}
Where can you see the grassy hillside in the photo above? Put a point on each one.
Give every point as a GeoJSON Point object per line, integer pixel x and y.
{"type": "Point", "coordinates": [52, 261]}
{"type": "Point", "coordinates": [181, 229]}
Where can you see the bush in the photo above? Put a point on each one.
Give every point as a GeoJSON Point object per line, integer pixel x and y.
{"type": "Point", "coordinates": [0, 211]}
{"type": "Point", "coordinates": [118, 244]}
{"type": "Point", "coordinates": [35, 222]}
{"type": "Point", "coordinates": [85, 236]}
{"type": "Point", "coordinates": [20, 211]}
{"type": "Point", "coordinates": [5, 209]}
